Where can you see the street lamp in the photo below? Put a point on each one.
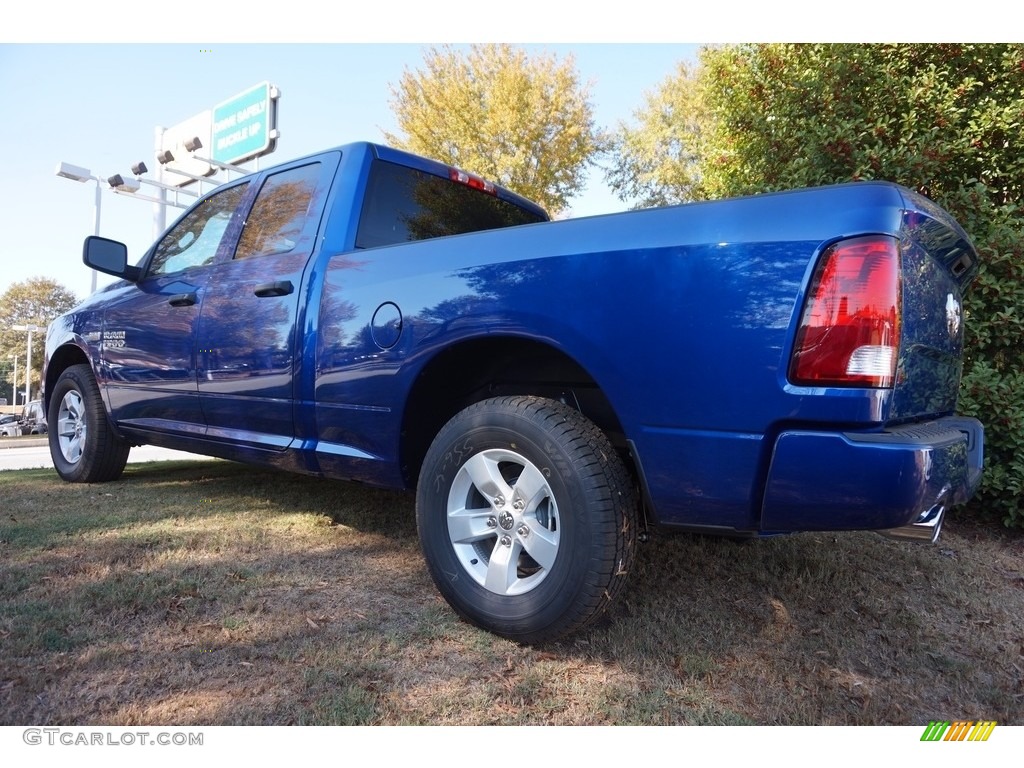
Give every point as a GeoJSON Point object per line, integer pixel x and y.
{"type": "Point", "coordinates": [140, 168]}
{"type": "Point", "coordinates": [166, 157]}
{"type": "Point", "coordinates": [28, 363]}
{"type": "Point", "coordinates": [194, 143]}
{"type": "Point", "coordinates": [123, 186]}
{"type": "Point", "coordinates": [119, 183]}
{"type": "Point", "coordinates": [82, 175]}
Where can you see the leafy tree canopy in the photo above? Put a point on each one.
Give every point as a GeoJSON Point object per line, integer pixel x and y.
{"type": "Point", "coordinates": [935, 118]}
{"type": "Point", "coordinates": [524, 122]}
{"type": "Point", "coordinates": [35, 301]}
{"type": "Point", "coordinates": [656, 161]}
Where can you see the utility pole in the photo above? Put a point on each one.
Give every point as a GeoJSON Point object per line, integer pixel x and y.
{"type": "Point", "coordinates": [28, 364]}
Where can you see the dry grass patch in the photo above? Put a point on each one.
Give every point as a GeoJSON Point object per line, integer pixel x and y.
{"type": "Point", "coordinates": [211, 593]}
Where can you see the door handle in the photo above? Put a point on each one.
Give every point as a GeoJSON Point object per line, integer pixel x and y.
{"type": "Point", "coordinates": [279, 288]}
{"type": "Point", "coordinates": [182, 300]}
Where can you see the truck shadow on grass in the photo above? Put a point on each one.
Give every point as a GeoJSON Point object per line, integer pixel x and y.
{"type": "Point", "coordinates": [211, 593]}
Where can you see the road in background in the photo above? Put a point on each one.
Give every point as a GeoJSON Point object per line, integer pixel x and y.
{"type": "Point", "coordinates": [37, 455]}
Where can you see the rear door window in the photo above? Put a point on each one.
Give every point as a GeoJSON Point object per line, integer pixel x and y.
{"type": "Point", "coordinates": [283, 214]}
{"type": "Point", "coordinates": [404, 204]}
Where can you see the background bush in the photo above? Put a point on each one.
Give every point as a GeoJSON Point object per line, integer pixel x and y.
{"type": "Point", "coordinates": [946, 120]}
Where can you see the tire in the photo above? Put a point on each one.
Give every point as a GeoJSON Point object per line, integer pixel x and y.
{"type": "Point", "coordinates": [83, 446]}
{"type": "Point", "coordinates": [527, 518]}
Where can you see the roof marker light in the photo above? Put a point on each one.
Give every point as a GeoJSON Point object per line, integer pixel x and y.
{"type": "Point", "coordinates": [471, 180]}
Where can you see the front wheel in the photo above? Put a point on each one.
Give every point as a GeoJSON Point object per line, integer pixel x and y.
{"type": "Point", "coordinates": [527, 518]}
{"type": "Point", "coordinates": [83, 446]}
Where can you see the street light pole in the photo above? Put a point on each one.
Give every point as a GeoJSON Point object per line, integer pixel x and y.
{"type": "Point", "coordinates": [95, 230]}
{"type": "Point", "coordinates": [160, 210]}
{"type": "Point", "coordinates": [119, 185]}
{"type": "Point", "coordinates": [28, 363]}
{"type": "Point", "coordinates": [14, 382]}
{"type": "Point", "coordinates": [82, 175]}
{"type": "Point", "coordinates": [28, 370]}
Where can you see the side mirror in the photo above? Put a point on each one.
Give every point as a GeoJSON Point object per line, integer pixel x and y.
{"type": "Point", "coordinates": [108, 256]}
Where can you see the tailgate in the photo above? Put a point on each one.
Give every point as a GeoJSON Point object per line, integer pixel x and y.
{"type": "Point", "coordinates": [938, 262]}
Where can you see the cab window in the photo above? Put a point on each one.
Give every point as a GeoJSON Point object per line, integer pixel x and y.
{"type": "Point", "coordinates": [194, 240]}
{"type": "Point", "coordinates": [282, 209]}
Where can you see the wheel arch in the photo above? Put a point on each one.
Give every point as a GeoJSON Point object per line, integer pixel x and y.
{"type": "Point", "coordinates": [63, 358]}
{"type": "Point", "coordinates": [475, 369]}
{"type": "Point", "coordinates": [83, 445]}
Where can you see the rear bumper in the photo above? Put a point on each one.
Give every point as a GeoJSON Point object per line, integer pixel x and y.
{"type": "Point", "coordinates": [900, 480]}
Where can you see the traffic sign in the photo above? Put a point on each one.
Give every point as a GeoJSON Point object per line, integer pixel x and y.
{"type": "Point", "coordinates": [245, 126]}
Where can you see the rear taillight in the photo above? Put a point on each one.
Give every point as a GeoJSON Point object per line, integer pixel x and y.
{"type": "Point", "coordinates": [849, 334]}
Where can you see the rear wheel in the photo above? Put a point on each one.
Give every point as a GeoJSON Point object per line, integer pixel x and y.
{"type": "Point", "coordinates": [527, 518]}
{"type": "Point", "coordinates": [83, 446]}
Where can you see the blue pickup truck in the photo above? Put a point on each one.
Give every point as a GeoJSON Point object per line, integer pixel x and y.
{"type": "Point", "coordinates": [777, 363]}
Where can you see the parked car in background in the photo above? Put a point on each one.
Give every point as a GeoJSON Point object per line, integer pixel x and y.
{"type": "Point", "coordinates": [33, 419]}
{"type": "Point", "coordinates": [9, 426]}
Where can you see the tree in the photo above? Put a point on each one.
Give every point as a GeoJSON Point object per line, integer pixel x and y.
{"type": "Point", "coordinates": [35, 301]}
{"type": "Point", "coordinates": [945, 120]}
{"type": "Point", "coordinates": [656, 161]}
{"type": "Point", "coordinates": [525, 123]}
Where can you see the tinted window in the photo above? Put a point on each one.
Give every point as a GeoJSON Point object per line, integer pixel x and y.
{"type": "Point", "coordinates": [404, 204]}
{"type": "Point", "coordinates": [280, 212]}
{"type": "Point", "coordinates": [194, 240]}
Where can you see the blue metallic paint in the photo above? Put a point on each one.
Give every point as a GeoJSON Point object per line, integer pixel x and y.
{"type": "Point", "coordinates": [837, 481]}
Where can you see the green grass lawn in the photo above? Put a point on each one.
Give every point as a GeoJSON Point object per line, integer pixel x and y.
{"type": "Point", "coordinates": [212, 593]}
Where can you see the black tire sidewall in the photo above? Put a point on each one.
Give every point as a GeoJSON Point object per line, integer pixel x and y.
{"type": "Point", "coordinates": [91, 467]}
{"type": "Point", "coordinates": [538, 612]}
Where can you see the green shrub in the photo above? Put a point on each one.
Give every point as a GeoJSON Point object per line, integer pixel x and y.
{"type": "Point", "coordinates": [946, 120]}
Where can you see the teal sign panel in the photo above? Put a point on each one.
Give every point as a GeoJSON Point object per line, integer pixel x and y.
{"type": "Point", "coordinates": [242, 125]}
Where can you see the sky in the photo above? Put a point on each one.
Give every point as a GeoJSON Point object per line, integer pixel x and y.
{"type": "Point", "coordinates": [97, 106]}
{"type": "Point", "coordinates": [87, 84]}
